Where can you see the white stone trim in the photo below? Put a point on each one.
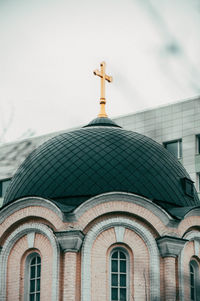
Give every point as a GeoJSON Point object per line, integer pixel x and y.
{"type": "Point", "coordinates": [142, 232]}
{"type": "Point", "coordinates": [27, 202]}
{"type": "Point", "coordinates": [196, 248]}
{"type": "Point", "coordinates": [11, 240]}
{"type": "Point", "coordinates": [31, 239]}
{"type": "Point", "coordinates": [194, 235]}
{"type": "Point", "coordinates": [164, 217]}
{"type": "Point", "coordinates": [193, 212]}
{"type": "Point", "coordinates": [119, 232]}
{"type": "Point", "coordinates": [170, 246]}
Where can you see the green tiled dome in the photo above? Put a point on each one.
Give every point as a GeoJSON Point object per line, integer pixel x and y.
{"type": "Point", "coordinates": [101, 157]}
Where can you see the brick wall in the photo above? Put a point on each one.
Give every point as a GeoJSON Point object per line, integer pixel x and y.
{"type": "Point", "coordinates": [16, 267]}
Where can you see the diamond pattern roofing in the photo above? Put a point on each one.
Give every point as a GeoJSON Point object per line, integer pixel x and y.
{"type": "Point", "coordinates": [99, 158]}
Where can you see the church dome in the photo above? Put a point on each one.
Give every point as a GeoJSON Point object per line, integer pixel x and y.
{"type": "Point", "coordinates": [99, 158]}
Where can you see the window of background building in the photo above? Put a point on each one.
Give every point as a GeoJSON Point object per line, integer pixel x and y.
{"type": "Point", "coordinates": [3, 187]}
{"type": "Point", "coordinates": [198, 182]}
{"type": "Point", "coordinates": [119, 277]}
{"type": "Point", "coordinates": [198, 144]}
{"type": "Point", "coordinates": [174, 147]}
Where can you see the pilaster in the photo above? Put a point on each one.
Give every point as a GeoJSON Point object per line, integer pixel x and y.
{"type": "Point", "coordinates": [170, 248]}
{"type": "Point", "coordinates": [70, 243]}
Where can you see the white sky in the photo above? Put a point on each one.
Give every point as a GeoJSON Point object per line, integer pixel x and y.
{"type": "Point", "coordinates": [49, 49]}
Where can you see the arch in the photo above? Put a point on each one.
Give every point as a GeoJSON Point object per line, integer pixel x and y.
{"type": "Point", "coordinates": [159, 212]}
{"type": "Point", "coordinates": [193, 212]}
{"type": "Point", "coordinates": [29, 201]}
{"type": "Point", "coordinates": [142, 232]}
{"type": "Point", "coordinates": [9, 243]}
{"type": "Point", "coordinates": [188, 223]}
{"type": "Point", "coordinates": [195, 236]}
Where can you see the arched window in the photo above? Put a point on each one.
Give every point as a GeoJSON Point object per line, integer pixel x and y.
{"type": "Point", "coordinates": [194, 280]}
{"type": "Point", "coordinates": [119, 275]}
{"type": "Point", "coordinates": [32, 277]}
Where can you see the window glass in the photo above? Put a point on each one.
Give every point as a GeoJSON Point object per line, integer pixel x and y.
{"type": "Point", "coordinates": [194, 280]}
{"type": "Point", "coordinates": [118, 275]}
{"type": "Point", "coordinates": [198, 144]}
{"type": "Point", "coordinates": [174, 147]}
{"type": "Point", "coordinates": [34, 274]}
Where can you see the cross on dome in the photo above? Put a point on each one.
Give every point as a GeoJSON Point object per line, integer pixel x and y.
{"type": "Point", "coordinates": [102, 74]}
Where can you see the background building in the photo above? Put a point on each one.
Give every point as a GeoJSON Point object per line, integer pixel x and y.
{"type": "Point", "coordinates": [176, 127]}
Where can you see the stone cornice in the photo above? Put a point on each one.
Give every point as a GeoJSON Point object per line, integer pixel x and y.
{"type": "Point", "coordinates": [70, 241]}
{"type": "Point", "coordinates": [170, 246]}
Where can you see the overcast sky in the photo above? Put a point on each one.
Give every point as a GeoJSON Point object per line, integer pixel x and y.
{"type": "Point", "coordinates": [49, 49]}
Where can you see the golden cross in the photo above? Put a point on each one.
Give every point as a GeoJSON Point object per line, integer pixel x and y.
{"type": "Point", "coordinates": [103, 77]}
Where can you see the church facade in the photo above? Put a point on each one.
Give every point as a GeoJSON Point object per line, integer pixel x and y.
{"type": "Point", "coordinates": [100, 213]}
{"type": "Point", "coordinates": [119, 247]}
{"type": "Point", "coordinates": [91, 216]}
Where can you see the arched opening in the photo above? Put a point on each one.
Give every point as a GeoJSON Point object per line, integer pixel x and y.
{"type": "Point", "coordinates": [194, 280]}
{"type": "Point", "coordinates": [32, 277]}
{"type": "Point", "coordinates": [119, 274]}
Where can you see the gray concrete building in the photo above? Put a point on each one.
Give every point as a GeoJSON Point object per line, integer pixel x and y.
{"type": "Point", "coordinates": [176, 126]}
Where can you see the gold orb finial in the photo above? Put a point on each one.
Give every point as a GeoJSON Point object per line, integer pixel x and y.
{"type": "Point", "coordinates": [104, 77]}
